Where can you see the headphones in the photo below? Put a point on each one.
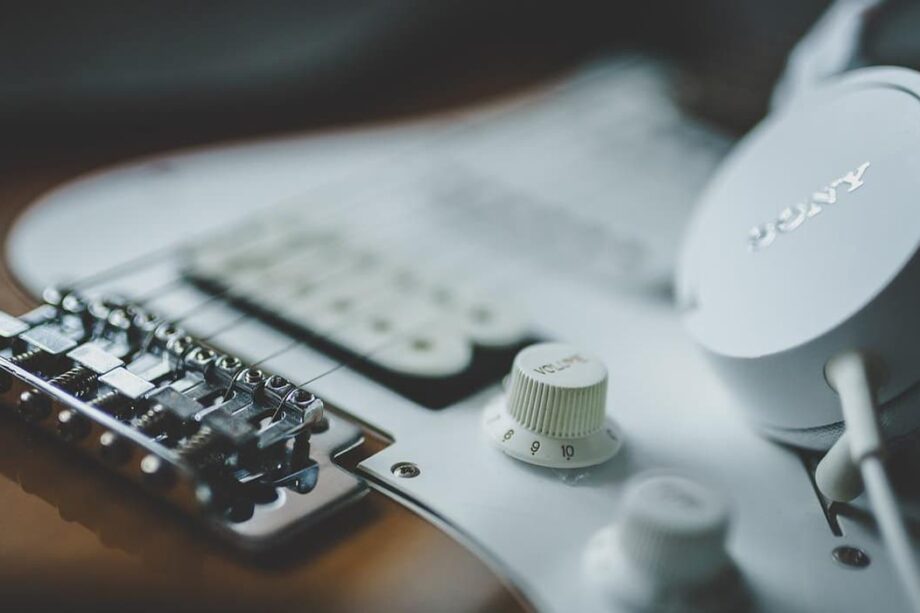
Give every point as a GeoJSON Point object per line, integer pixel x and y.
{"type": "Point", "coordinates": [805, 244]}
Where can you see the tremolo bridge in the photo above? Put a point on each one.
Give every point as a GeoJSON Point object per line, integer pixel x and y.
{"type": "Point", "coordinates": [248, 452]}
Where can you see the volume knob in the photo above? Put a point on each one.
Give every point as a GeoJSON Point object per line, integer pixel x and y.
{"type": "Point", "coordinates": [554, 411]}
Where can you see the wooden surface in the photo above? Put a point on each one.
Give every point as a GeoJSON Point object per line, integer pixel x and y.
{"type": "Point", "coordinates": [72, 537]}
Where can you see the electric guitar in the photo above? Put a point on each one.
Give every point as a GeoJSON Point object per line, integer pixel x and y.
{"type": "Point", "coordinates": [432, 366]}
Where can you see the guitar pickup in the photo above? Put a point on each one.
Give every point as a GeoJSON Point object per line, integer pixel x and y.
{"type": "Point", "coordinates": [248, 453]}
{"type": "Point", "coordinates": [401, 324]}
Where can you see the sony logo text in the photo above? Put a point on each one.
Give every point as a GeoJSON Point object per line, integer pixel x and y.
{"type": "Point", "coordinates": [791, 217]}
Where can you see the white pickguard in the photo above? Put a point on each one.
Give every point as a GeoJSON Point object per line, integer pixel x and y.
{"type": "Point", "coordinates": [600, 155]}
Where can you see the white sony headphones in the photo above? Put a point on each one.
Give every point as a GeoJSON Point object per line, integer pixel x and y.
{"type": "Point", "coordinates": [800, 278]}
{"type": "Point", "coordinates": [806, 244]}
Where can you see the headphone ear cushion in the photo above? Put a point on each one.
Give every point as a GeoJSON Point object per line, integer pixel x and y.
{"type": "Point", "coordinates": [818, 439]}
{"type": "Point", "coordinates": [899, 419]}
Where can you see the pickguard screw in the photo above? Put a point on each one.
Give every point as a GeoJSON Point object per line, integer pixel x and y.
{"type": "Point", "coordinates": [851, 557]}
{"type": "Point", "coordinates": [405, 470]}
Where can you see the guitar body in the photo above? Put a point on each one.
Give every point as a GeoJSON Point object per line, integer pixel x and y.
{"type": "Point", "coordinates": [562, 235]}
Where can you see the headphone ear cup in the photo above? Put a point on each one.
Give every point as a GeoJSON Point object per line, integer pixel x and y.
{"type": "Point", "coordinates": [806, 243]}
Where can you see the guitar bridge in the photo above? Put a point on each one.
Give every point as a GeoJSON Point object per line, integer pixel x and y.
{"type": "Point", "coordinates": [247, 452]}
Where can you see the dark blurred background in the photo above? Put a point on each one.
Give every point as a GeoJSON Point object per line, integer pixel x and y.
{"type": "Point", "coordinates": [82, 83]}
{"type": "Point", "coordinates": [85, 76]}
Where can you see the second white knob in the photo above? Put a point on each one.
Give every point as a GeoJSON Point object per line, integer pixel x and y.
{"type": "Point", "coordinates": [667, 551]}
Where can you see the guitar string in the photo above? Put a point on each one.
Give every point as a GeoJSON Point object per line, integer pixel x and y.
{"type": "Point", "coordinates": [382, 237]}
{"type": "Point", "coordinates": [146, 260]}
{"type": "Point", "coordinates": [394, 338]}
{"type": "Point", "coordinates": [384, 234]}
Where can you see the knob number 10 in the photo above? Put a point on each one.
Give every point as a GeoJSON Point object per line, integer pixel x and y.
{"type": "Point", "coordinates": [568, 451]}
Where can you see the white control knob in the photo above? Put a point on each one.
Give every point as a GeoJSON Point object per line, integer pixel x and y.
{"type": "Point", "coordinates": [553, 414]}
{"type": "Point", "coordinates": [667, 551]}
